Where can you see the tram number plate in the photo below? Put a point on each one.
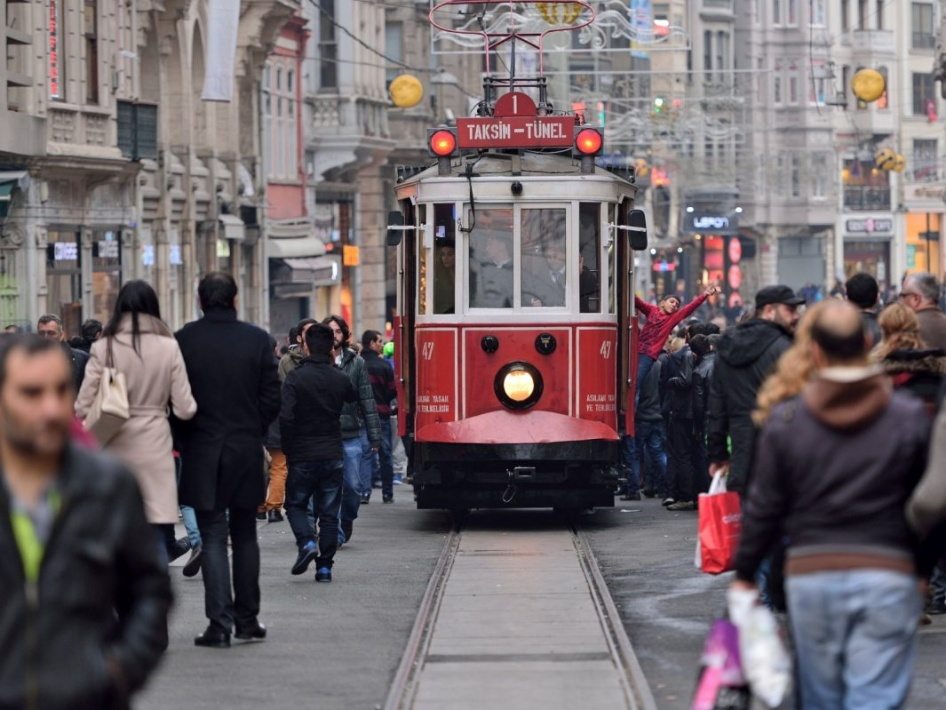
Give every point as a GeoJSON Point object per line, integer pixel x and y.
{"type": "Point", "coordinates": [516, 132]}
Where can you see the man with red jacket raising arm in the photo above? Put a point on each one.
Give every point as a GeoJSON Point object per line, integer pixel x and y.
{"type": "Point", "coordinates": [661, 320]}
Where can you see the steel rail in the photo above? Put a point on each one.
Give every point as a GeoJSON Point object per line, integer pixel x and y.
{"type": "Point", "coordinates": [633, 678]}
{"type": "Point", "coordinates": [404, 686]}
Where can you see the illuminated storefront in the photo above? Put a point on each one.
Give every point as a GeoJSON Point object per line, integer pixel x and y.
{"type": "Point", "coordinates": [923, 232]}
{"type": "Point", "coordinates": [867, 243]}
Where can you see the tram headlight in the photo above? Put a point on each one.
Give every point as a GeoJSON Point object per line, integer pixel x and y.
{"type": "Point", "coordinates": [518, 385]}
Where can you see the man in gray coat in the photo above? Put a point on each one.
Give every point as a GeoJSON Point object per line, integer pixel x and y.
{"type": "Point", "coordinates": [921, 292]}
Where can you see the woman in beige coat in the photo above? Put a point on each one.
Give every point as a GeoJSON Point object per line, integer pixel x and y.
{"type": "Point", "coordinates": [144, 350]}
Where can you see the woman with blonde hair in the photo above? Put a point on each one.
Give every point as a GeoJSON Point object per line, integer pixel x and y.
{"type": "Point", "coordinates": [793, 370]}
{"type": "Point", "coordinates": [911, 365]}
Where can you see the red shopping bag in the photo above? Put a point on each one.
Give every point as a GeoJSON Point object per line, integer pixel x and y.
{"type": "Point", "coordinates": [720, 528]}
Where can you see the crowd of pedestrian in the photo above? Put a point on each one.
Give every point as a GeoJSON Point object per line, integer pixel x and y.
{"type": "Point", "coordinates": [826, 417]}
{"type": "Point", "coordinates": [199, 417]}
{"type": "Point", "coordinates": [838, 531]}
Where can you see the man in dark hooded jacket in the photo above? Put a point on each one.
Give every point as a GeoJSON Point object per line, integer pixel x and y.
{"type": "Point", "coordinates": [745, 357]}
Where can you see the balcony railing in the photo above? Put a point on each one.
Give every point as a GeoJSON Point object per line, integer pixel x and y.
{"type": "Point", "coordinates": [871, 40]}
{"type": "Point", "coordinates": [924, 40]}
{"type": "Point", "coordinates": [864, 199]}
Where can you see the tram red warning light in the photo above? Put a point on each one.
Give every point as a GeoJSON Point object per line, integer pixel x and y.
{"type": "Point", "coordinates": [443, 143]}
{"type": "Point", "coordinates": [588, 141]}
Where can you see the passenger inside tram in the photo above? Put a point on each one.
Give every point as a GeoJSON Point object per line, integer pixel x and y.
{"type": "Point", "coordinates": [445, 277]}
{"type": "Point", "coordinates": [491, 277]}
{"type": "Point", "coordinates": [588, 250]}
{"type": "Point", "coordinates": [545, 286]}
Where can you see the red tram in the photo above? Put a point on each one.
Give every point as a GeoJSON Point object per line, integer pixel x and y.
{"type": "Point", "coordinates": [514, 345]}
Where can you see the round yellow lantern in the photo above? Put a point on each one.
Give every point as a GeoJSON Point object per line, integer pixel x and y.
{"type": "Point", "coordinates": [885, 158]}
{"type": "Point", "coordinates": [899, 164]}
{"type": "Point", "coordinates": [868, 85]}
{"type": "Point", "coordinates": [406, 90]}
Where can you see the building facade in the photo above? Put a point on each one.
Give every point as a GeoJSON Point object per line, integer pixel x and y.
{"type": "Point", "coordinates": [117, 168]}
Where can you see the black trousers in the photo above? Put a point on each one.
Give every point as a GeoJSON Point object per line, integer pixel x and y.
{"type": "Point", "coordinates": [680, 459]}
{"type": "Point", "coordinates": [222, 606]}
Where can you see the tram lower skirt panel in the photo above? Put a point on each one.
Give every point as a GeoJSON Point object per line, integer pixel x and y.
{"type": "Point", "coordinates": [562, 475]}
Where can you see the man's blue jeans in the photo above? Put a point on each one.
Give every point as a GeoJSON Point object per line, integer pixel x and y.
{"type": "Point", "coordinates": [367, 464]}
{"type": "Point", "coordinates": [188, 516]}
{"type": "Point", "coordinates": [651, 439]}
{"type": "Point", "coordinates": [644, 363]}
{"type": "Point", "coordinates": [351, 490]}
{"type": "Point", "coordinates": [855, 637]}
{"type": "Point", "coordinates": [320, 481]}
{"type": "Point", "coordinates": [384, 464]}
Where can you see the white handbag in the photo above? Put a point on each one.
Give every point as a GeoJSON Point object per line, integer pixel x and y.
{"type": "Point", "coordinates": [110, 408]}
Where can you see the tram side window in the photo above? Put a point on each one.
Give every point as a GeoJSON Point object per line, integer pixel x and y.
{"type": "Point", "coordinates": [612, 264]}
{"type": "Point", "coordinates": [422, 264]}
{"type": "Point", "coordinates": [491, 258]}
{"type": "Point", "coordinates": [544, 268]}
{"type": "Point", "coordinates": [445, 259]}
{"type": "Point", "coordinates": [589, 254]}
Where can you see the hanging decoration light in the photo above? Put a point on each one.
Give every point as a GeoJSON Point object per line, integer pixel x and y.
{"type": "Point", "coordinates": [868, 84]}
{"type": "Point", "coordinates": [406, 90]}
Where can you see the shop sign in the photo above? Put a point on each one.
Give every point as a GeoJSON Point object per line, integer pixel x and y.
{"type": "Point", "coordinates": [869, 225]}
{"type": "Point", "coordinates": [925, 192]}
{"type": "Point", "coordinates": [108, 250]}
{"type": "Point", "coordinates": [66, 251]}
{"type": "Point", "coordinates": [911, 256]}
{"type": "Point", "coordinates": [175, 255]}
{"type": "Point", "coordinates": [704, 223]}
{"type": "Point", "coordinates": [55, 91]}
{"type": "Point", "coordinates": [147, 255]}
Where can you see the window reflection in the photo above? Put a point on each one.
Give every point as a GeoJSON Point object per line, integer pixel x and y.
{"type": "Point", "coordinates": [589, 251]}
{"type": "Point", "coordinates": [444, 259]}
{"type": "Point", "coordinates": [544, 266]}
{"type": "Point", "coordinates": [491, 258]}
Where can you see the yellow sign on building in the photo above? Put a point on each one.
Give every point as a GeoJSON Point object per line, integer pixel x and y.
{"type": "Point", "coordinates": [351, 256]}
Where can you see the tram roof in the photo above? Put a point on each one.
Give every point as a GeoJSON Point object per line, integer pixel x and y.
{"type": "Point", "coordinates": [531, 165]}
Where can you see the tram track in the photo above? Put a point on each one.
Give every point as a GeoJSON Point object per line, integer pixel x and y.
{"type": "Point", "coordinates": [506, 653]}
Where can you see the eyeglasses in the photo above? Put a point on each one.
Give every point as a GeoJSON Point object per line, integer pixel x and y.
{"type": "Point", "coordinates": [48, 333]}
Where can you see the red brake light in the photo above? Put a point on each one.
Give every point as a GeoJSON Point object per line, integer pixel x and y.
{"type": "Point", "coordinates": [588, 141]}
{"type": "Point", "coordinates": [443, 143]}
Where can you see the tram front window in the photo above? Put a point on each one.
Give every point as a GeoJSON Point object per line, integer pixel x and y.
{"type": "Point", "coordinates": [491, 259]}
{"type": "Point", "coordinates": [544, 266]}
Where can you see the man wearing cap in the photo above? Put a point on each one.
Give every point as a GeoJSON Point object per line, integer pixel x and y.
{"type": "Point", "coordinates": [744, 358]}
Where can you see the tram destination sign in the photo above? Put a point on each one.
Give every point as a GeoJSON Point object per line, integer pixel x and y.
{"type": "Point", "coordinates": [516, 132]}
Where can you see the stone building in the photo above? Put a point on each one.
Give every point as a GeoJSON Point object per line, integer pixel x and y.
{"type": "Point", "coordinates": [115, 168]}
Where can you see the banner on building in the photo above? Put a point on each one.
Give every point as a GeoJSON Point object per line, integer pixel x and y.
{"type": "Point", "coordinates": [223, 22]}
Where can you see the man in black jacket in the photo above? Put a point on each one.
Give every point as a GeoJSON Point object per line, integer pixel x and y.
{"type": "Point", "coordinates": [50, 326]}
{"type": "Point", "coordinates": [381, 377]}
{"type": "Point", "coordinates": [745, 357]}
{"type": "Point", "coordinates": [834, 469]}
{"type": "Point", "coordinates": [77, 516]}
{"type": "Point", "coordinates": [310, 424]}
{"type": "Point", "coordinates": [233, 377]}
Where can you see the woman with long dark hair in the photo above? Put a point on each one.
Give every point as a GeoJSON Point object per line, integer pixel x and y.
{"type": "Point", "coordinates": [138, 344]}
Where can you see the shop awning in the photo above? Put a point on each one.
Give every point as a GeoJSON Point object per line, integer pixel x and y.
{"type": "Point", "coordinates": [296, 277]}
{"type": "Point", "coordinates": [298, 247]}
{"type": "Point", "coordinates": [233, 227]}
{"type": "Point", "coordinates": [8, 181]}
